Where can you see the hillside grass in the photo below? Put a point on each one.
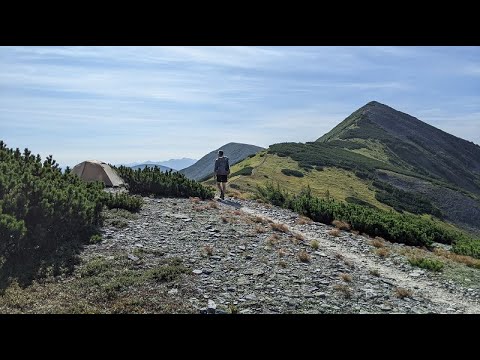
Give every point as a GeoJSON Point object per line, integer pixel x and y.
{"type": "Point", "coordinates": [103, 285]}
{"type": "Point", "coordinates": [340, 184]}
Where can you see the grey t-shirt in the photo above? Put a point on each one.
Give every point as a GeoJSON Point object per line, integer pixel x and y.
{"type": "Point", "coordinates": [222, 167]}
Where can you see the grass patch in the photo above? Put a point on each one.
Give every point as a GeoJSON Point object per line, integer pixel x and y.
{"type": "Point", "coordinates": [341, 225]}
{"type": "Point", "coordinates": [167, 272]}
{"type": "Point", "coordinates": [426, 263]}
{"type": "Point", "coordinates": [272, 240]}
{"type": "Point", "coordinates": [346, 277]}
{"type": "Point", "coordinates": [334, 232]}
{"type": "Point", "coordinates": [302, 220]}
{"type": "Point", "coordinates": [402, 292]}
{"type": "Point", "coordinates": [291, 172]}
{"type": "Point", "coordinates": [282, 252]}
{"type": "Point", "coordinates": [213, 205]}
{"type": "Point", "coordinates": [303, 256]}
{"type": "Point", "coordinates": [208, 250]}
{"type": "Point", "coordinates": [246, 171]}
{"type": "Point", "coordinates": [279, 227]}
{"type": "Point", "coordinates": [260, 230]}
{"type": "Point", "coordinates": [314, 244]}
{"type": "Point", "coordinates": [463, 259]}
{"type": "Point", "coordinates": [258, 219]}
{"type": "Point", "coordinates": [95, 267]}
{"type": "Point", "coordinates": [344, 290]}
{"type": "Point", "coordinates": [374, 272]}
{"type": "Point", "coordinates": [378, 242]}
{"type": "Point", "coordinates": [382, 252]}
{"type": "Point", "coordinates": [299, 236]}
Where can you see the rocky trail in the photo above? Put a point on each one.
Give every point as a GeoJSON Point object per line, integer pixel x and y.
{"type": "Point", "coordinates": [247, 257]}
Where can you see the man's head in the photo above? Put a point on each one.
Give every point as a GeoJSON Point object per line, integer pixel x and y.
{"type": "Point", "coordinates": [220, 153]}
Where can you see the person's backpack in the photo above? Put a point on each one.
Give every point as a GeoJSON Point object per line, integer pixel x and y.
{"type": "Point", "coordinates": [223, 167]}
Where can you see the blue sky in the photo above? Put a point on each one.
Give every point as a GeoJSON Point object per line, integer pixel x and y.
{"type": "Point", "coordinates": [127, 104]}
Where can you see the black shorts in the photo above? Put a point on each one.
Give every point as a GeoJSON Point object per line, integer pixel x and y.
{"type": "Point", "coordinates": [221, 178]}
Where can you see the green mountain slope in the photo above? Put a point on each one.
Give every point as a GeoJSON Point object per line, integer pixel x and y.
{"type": "Point", "coordinates": [204, 167]}
{"type": "Point", "coordinates": [380, 157]}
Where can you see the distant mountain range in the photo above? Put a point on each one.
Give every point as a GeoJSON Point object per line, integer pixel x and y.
{"type": "Point", "coordinates": [151, 165]}
{"type": "Point", "coordinates": [175, 164]}
{"type": "Point", "coordinates": [380, 157]}
{"type": "Point", "coordinates": [234, 151]}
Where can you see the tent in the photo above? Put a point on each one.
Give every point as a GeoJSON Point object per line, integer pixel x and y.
{"type": "Point", "coordinates": [94, 170]}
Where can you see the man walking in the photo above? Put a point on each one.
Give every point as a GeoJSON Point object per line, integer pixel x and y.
{"type": "Point", "coordinates": [221, 171]}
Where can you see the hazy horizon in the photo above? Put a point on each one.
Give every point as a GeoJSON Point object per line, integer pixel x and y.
{"type": "Point", "coordinates": [136, 104]}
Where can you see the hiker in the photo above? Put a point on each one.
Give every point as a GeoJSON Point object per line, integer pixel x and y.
{"type": "Point", "coordinates": [221, 171]}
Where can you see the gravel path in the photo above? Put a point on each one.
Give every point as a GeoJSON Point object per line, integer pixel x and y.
{"type": "Point", "coordinates": [240, 263]}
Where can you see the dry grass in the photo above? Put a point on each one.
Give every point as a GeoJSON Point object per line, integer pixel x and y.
{"type": "Point", "coordinates": [314, 244]}
{"type": "Point", "coordinates": [382, 252]}
{"type": "Point", "coordinates": [463, 259]}
{"type": "Point", "coordinates": [334, 232]}
{"type": "Point", "coordinates": [346, 277]}
{"type": "Point", "coordinates": [260, 230]}
{"type": "Point", "coordinates": [208, 250]}
{"type": "Point", "coordinates": [258, 219]}
{"type": "Point", "coordinates": [355, 232]}
{"type": "Point", "coordinates": [349, 263]}
{"type": "Point", "coordinates": [237, 212]}
{"type": "Point", "coordinates": [344, 289]}
{"type": "Point", "coordinates": [225, 219]}
{"type": "Point", "coordinates": [378, 242]}
{"type": "Point", "coordinates": [282, 263]}
{"type": "Point", "coordinates": [272, 240]}
{"type": "Point", "coordinates": [375, 272]}
{"type": "Point", "coordinates": [199, 208]}
{"type": "Point", "coordinates": [299, 236]}
{"type": "Point", "coordinates": [195, 200]}
{"type": "Point", "coordinates": [282, 252]}
{"type": "Point", "coordinates": [303, 256]}
{"type": "Point", "coordinates": [213, 205]}
{"type": "Point", "coordinates": [402, 292]}
{"type": "Point", "coordinates": [341, 225]}
{"type": "Point", "coordinates": [279, 227]}
{"type": "Point", "coordinates": [302, 220]}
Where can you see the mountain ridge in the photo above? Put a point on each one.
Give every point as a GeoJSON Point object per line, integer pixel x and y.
{"type": "Point", "coordinates": [380, 157]}
{"type": "Point", "coordinates": [234, 151]}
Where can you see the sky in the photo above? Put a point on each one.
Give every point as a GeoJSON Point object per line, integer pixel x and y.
{"type": "Point", "coordinates": [132, 104]}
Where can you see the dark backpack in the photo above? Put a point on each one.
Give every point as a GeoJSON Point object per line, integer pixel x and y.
{"type": "Point", "coordinates": [222, 166]}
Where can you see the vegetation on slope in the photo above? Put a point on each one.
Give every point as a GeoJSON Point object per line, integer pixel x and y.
{"type": "Point", "coordinates": [337, 183]}
{"type": "Point", "coordinates": [152, 181]}
{"type": "Point", "coordinates": [402, 200]}
{"type": "Point", "coordinates": [45, 215]}
{"type": "Point", "coordinates": [402, 228]}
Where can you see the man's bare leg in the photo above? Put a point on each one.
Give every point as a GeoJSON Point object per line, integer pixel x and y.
{"type": "Point", "coordinates": [219, 188]}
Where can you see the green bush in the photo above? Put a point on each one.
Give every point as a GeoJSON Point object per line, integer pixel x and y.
{"type": "Point", "coordinates": [403, 228]}
{"type": "Point", "coordinates": [45, 215]}
{"type": "Point", "coordinates": [465, 245]}
{"type": "Point", "coordinates": [152, 181]}
{"type": "Point", "coordinates": [426, 263]}
{"type": "Point", "coordinates": [41, 208]}
{"type": "Point", "coordinates": [354, 200]}
{"type": "Point", "coordinates": [290, 172]}
{"type": "Point", "coordinates": [124, 201]}
{"type": "Point", "coordinates": [247, 170]}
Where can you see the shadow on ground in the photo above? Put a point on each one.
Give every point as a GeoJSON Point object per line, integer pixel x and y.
{"type": "Point", "coordinates": [26, 267]}
{"type": "Point", "coordinates": [232, 203]}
